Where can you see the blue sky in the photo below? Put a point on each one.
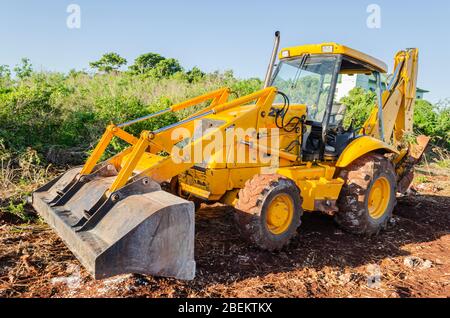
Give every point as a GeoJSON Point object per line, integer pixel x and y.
{"type": "Point", "coordinates": [223, 34]}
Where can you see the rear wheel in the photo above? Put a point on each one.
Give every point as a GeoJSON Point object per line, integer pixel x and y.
{"type": "Point", "coordinates": [268, 211]}
{"type": "Point", "coordinates": [368, 196]}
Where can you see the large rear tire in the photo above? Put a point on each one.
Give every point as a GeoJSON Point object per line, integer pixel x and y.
{"type": "Point", "coordinates": [269, 211]}
{"type": "Point", "coordinates": [368, 197]}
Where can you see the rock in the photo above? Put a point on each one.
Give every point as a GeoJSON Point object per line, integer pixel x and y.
{"type": "Point", "coordinates": [411, 191]}
{"type": "Point", "coordinates": [344, 278]}
{"type": "Point", "coordinates": [412, 262]}
{"type": "Point", "coordinates": [393, 221]}
{"type": "Point", "coordinates": [243, 258]}
{"type": "Point", "coordinates": [60, 156]}
{"type": "Point", "coordinates": [428, 187]}
{"type": "Point", "coordinates": [438, 261]}
{"type": "Point", "coordinates": [416, 262]}
{"type": "Point", "coordinates": [426, 264]}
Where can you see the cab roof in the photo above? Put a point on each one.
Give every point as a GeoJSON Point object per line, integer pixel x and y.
{"type": "Point", "coordinates": [334, 48]}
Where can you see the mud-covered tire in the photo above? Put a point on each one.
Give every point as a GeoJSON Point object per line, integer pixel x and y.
{"type": "Point", "coordinates": [354, 215]}
{"type": "Point", "coordinates": [252, 208]}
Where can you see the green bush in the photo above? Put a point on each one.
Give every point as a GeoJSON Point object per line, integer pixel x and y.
{"type": "Point", "coordinates": [195, 75]}
{"type": "Point", "coordinates": [434, 121]}
{"type": "Point", "coordinates": [359, 104]}
{"type": "Point", "coordinates": [145, 62]}
{"type": "Point", "coordinates": [245, 87]}
{"type": "Point", "coordinates": [24, 69]}
{"type": "Point", "coordinates": [109, 62]}
{"type": "Point", "coordinates": [27, 115]}
{"type": "Point", "coordinates": [431, 120]}
{"type": "Point", "coordinates": [47, 110]}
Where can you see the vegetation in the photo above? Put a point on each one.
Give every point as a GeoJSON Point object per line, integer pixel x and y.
{"type": "Point", "coordinates": [24, 69]}
{"type": "Point", "coordinates": [431, 120]}
{"type": "Point", "coordinates": [155, 66]}
{"type": "Point", "coordinates": [109, 62]}
{"type": "Point", "coordinates": [434, 120]}
{"type": "Point", "coordinates": [359, 104]}
{"type": "Point", "coordinates": [43, 111]}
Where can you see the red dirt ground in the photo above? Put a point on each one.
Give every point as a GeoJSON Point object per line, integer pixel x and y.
{"type": "Point", "coordinates": [411, 259]}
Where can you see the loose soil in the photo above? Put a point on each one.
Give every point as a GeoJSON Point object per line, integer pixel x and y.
{"type": "Point", "coordinates": [410, 259]}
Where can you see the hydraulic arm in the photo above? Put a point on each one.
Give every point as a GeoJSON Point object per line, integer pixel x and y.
{"type": "Point", "coordinates": [397, 101]}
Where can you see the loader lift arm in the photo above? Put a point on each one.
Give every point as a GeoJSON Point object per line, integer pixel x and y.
{"type": "Point", "coordinates": [166, 167]}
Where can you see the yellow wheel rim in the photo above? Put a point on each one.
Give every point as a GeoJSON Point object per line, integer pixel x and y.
{"type": "Point", "coordinates": [379, 198]}
{"type": "Point", "coordinates": [279, 214]}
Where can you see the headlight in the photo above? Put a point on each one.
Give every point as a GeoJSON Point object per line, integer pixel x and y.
{"type": "Point", "coordinates": [327, 49]}
{"type": "Point", "coordinates": [285, 54]}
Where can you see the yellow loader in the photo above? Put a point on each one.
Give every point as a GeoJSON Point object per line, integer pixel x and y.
{"type": "Point", "coordinates": [285, 152]}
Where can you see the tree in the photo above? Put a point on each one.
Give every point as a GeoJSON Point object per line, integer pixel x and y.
{"type": "Point", "coordinates": [24, 69]}
{"type": "Point", "coordinates": [166, 68]}
{"type": "Point", "coordinates": [425, 117]}
{"type": "Point", "coordinates": [155, 65]}
{"type": "Point", "coordinates": [109, 62]}
{"type": "Point", "coordinates": [194, 75]}
{"type": "Point", "coordinates": [433, 120]}
{"type": "Point", "coordinates": [443, 124]}
{"type": "Point", "coordinates": [359, 104]}
{"type": "Point", "coordinates": [5, 72]}
{"type": "Point", "coordinates": [145, 62]}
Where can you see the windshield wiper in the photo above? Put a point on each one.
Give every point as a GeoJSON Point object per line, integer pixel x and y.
{"type": "Point", "coordinates": [300, 68]}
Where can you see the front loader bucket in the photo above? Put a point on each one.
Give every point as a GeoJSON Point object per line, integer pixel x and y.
{"type": "Point", "coordinates": [139, 229]}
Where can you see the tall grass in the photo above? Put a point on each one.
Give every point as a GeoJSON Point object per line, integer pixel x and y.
{"type": "Point", "coordinates": [51, 109]}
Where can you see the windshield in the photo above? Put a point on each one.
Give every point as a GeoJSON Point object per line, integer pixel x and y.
{"type": "Point", "coordinates": [306, 80]}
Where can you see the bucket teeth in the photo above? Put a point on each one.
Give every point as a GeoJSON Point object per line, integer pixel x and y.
{"type": "Point", "coordinates": [138, 229]}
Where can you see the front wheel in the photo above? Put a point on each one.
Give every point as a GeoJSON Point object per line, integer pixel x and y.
{"type": "Point", "coordinates": [368, 197]}
{"type": "Point", "coordinates": [268, 211]}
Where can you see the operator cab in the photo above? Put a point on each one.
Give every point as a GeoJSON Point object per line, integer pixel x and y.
{"type": "Point", "coordinates": [308, 75]}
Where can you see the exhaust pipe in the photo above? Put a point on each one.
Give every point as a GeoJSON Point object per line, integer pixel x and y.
{"type": "Point", "coordinates": [272, 60]}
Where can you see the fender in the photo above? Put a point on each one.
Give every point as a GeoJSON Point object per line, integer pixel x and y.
{"type": "Point", "coordinates": [361, 146]}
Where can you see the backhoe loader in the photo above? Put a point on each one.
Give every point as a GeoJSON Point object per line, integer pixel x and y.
{"type": "Point", "coordinates": [286, 151]}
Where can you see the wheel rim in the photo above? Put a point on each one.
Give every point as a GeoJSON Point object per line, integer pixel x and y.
{"type": "Point", "coordinates": [379, 197]}
{"type": "Point", "coordinates": [279, 214]}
